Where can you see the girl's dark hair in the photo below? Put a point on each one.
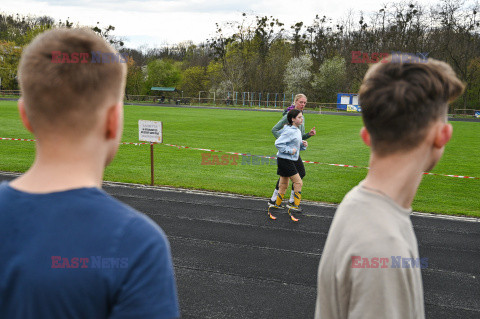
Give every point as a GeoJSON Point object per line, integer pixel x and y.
{"type": "Point", "coordinates": [292, 114]}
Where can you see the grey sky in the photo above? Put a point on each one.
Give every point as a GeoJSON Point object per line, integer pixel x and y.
{"type": "Point", "coordinates": [159, 22]}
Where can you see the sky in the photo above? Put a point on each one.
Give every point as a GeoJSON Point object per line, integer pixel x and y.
{"type": "Point", "coordinates": [155, 23]}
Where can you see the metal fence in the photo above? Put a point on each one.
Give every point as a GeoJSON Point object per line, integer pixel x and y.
{"type": "Point", "coordinates": [251, 99]}
{"type": "Point", "coordinates": [229, 99]}
{"type": "Point", "coordinates": [239, 99]}
{"type": "Point", "coordinates": [9, 93]}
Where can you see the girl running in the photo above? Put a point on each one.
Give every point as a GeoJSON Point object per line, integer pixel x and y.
{"type": "Point", "coordinates": [289, 145]}
{"type": "Point", "coordinates": [300, 102]}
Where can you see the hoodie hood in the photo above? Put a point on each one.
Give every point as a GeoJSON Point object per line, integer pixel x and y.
{"type": "Point", "coordinates": [291, 107]}
{"type": "Point", "coordinates": [288, 128]}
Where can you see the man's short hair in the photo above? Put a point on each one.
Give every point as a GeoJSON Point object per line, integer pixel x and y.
{"type": "Point", "coordinates": [66, 97]}
{"type": "Point", "coordinates": [401, 100]}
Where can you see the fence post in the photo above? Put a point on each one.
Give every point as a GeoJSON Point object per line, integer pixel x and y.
{"type": "Point", "coordinates": [152, 169]}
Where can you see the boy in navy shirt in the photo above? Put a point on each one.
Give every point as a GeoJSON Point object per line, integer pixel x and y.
{"type": "Point", "coordinates": [68, 249]}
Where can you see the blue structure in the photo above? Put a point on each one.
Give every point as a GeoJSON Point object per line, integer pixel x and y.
{"type": "Point", "coordinates": [348, 102]}
{"type": "Point", "coordinates": [477, 114]}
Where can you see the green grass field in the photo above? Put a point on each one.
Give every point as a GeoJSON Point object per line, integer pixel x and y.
{"type": "Point", "coordinates": [337, 141]}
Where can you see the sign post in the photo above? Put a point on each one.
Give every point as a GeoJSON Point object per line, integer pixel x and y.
{"type": "Point", "coordinates": [150, 131]}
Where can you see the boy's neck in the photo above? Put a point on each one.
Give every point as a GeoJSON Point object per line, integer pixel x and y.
{"type": "Point", "coordinates": [62, 169]}
{"type": "Point", "coordinates": [397, 176]}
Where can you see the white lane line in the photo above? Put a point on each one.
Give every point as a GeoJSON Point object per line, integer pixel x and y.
{"type": "Point", "coordinates": [228, 195]}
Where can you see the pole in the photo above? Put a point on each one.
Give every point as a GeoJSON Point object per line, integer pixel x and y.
{"type": "Point", "coordinates": [151, 164]}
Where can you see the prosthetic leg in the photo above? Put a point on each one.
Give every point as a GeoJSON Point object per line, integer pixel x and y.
{"type": "Point", "coordinates": [282, 187]}
{"type": "Point", "coordinates": [297, 186]}
{"type": "Point", "coordinates": [273, 199]}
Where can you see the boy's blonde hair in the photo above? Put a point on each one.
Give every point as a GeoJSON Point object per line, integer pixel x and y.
{"type": "Point", "coordinates": [66, 97]}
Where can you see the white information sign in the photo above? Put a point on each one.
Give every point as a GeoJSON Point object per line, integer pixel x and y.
{"type": "Point", "coordinates": [150, 131]}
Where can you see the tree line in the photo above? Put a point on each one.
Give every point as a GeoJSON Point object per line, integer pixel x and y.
{"type": "Point", "coordinates": [261, 54]}
{"type": "Point", "coordinates": [17, 31]}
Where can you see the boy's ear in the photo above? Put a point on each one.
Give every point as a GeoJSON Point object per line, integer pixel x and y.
{"type": "Point", "coordinates": [23, 115]}
{"type": "Point", "coordinates": [113, 121]}
{"type": "Point", "coordinates": [365, 136]}
{"type": "Point", "coordinates": [443, 135]}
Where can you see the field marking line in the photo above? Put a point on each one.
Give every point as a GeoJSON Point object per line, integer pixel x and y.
{"type": "Point", "coordinates": [229, 195]}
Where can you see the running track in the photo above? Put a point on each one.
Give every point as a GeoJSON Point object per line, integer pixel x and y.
{"type": "Point", "coordinates": [233, 262]}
